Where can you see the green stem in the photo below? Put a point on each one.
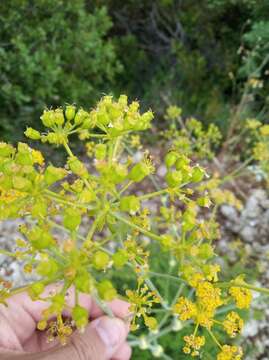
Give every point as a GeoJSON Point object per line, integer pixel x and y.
{"type": "Point", "coordinates": [92, 230]}
{"type": "Point", "coordinates": [237, 170]}
{"type": "Point", "coordinates": [68, 150]}
{"type": "Point", "coordinates": [156, 291]}
{"type": "Point", "coordinates": [65, 202]}
{"type": "Point", "coordinates": [214, 338]}
{"type": "Point", "coordinates": [245, 286]}
{"type": "Point", "coordinates": [153, 194]}
{"type": "Point", "coordinates": [116, 147]}
{"type": "Point", "coordinates": [106, 309]}
{"type": "Point", "coordinates": [166, 316]}
{"type": "Point", "coordinates": [136, 227]}
{"type": "Point", "coordinates": [8, 253]}
{"type": "Point", "coordinates": [166, 276]}
{"type": "Point", "coordinates": [125, 187]}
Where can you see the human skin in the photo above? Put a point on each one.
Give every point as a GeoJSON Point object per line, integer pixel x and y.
{"type": "Point", "coordinates": [104, 338]}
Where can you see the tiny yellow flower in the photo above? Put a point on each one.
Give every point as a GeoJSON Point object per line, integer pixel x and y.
{"type": "Point", "coordinates": [264, 130]}
{"type": "Point", "coordinates": [37, 157]}
{"type": "Point", "coordinates": [185, 308]}
{"type": "Point", "coordinates": [193, 344]}
{"type": "Point", "coordinates": [212, 272]}
{"type": "Point", "coordinates": [253, 124]}
{"type": "Point", "coordinates": [208, 296]}
{"type": "Point", "coordinates": [241, 296]}
{"type": "Point", "coordinates": [196, 279]}
{"type": "Point", "coordinates": [230, 353]}
{"type": "Point", "coordinates": [233, 324]}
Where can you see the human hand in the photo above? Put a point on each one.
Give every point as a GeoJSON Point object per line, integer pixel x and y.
{"type": "Point", "coordinates": [104, 338]}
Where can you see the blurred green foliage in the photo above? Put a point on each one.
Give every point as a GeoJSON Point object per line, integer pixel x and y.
{"type": "Point", "coordinates": [187, 52]}
{"type": "Point", "coordinates": [51, 52]}
{"type": "Point", "coordinates": [196, 54]}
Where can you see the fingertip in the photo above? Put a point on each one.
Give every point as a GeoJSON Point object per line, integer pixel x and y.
{"type": "Point", "coordinates": [123, 353]}
{"type": "Point", "coordinates": [118, 307]}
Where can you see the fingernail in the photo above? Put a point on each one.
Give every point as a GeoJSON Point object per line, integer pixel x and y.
{"type": "Point", "coordinates": [111, 331]}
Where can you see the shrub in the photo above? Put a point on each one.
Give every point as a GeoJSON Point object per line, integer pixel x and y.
{"type": "Point", "coordinates": [51, 52]}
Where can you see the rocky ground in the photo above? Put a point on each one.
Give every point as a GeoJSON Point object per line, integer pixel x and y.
{"type": "Point", "coordinates": [251, 226]}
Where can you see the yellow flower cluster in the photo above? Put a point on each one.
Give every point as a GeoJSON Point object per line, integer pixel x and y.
{"type": "Point", "coordinates": [185, 308]}
{"type": "Point", "coordinates": [7, 196]}
{"type": "Point", "coordinates": [241, 296]}
{"type": "Point", "coordinates": [233, 324]}
{"type": "Point", "coordinates": [230, 353]}
{"type": "Point", "coordinates": [202, 311]}
{"type": "Point", "coordinates": [141, 301]}
{"type": "Point", "coordinates": [193, 344]}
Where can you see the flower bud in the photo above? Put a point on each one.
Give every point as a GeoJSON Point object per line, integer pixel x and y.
{"type": "Point", "coordinates": [81, 316]}
{"type": "Point", "coordinates": [100, 151]}
{"type": "Point", "coordinates": [59, 117]}
{"type": "Point", "coordinates": [100, 260]}
{"type": "Point", "coordinates": [170, 159]}
{"type": "Point", "coordinates": [83, 281]}
{"type": "Point", "coordinates": [157, 351]}
{"type": "Point", "coordinates": [139, 172]}
{"type": "Point", "coordinates": [21, 183]}
{"type": "Point", "coordinates": [80, 116]}
{"type": "Point", "coordinates": [47, 268]}
{"type": "Point", "coordinates": [32, 134]}
{"type": "Point", "coordinates": [151, 322]}
{"type": "Point", "coordinates": [173, 178]}
{"type": "Point", "coordinates": [120, 258]}
{"type": "Point", "coordinates": [146, 119]}
{"type": "Point", "coordinates": [71, 219]}
{"type": "Point", "coordinates": [70, 112]}
{"type": "Point", "coordinates": [52, 138]}
{"type": "Point", "coordinates": [39, 209]}
{"type": "Point", "coordinates": [123, 100]}
{"type": "Point", "coordinates": [54, 174]}
{"type": "Point", "coordinates": [40, 239]}
{"type": "Point", "coordinates": [24, 158]}
{"type": "Point", "coordinates": [206, 251]}
{"type": "Point", "coordinates": [6, 150]}
{"type": "Point", "coordinates": [87, 196]}
{"type": "Point", "coordinates": [48, 118]}
{"type": "Point", "coordinates": [103, 118]}
{"type": "Point", "coordinates": [77, 167]}
{"type": "Point", "coordinates": [167, 240]}
{"type": "Point", "coordinates": [118, 173]}
{"type": "Point", "coordinates": [106, 290]}
{"type": "Point", "coordinates": [36, 290]}
{"type": "Point", "coordinates": [130, 204]}
{"type": "Point", "coordinates": [198, 174]}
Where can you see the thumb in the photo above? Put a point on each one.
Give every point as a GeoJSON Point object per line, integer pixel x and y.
{"type": "Point", "coordinates": [100, 341]}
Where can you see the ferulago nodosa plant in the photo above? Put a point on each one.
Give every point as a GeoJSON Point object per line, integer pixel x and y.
{"type": "Point", "coordinates": [104, 190]}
